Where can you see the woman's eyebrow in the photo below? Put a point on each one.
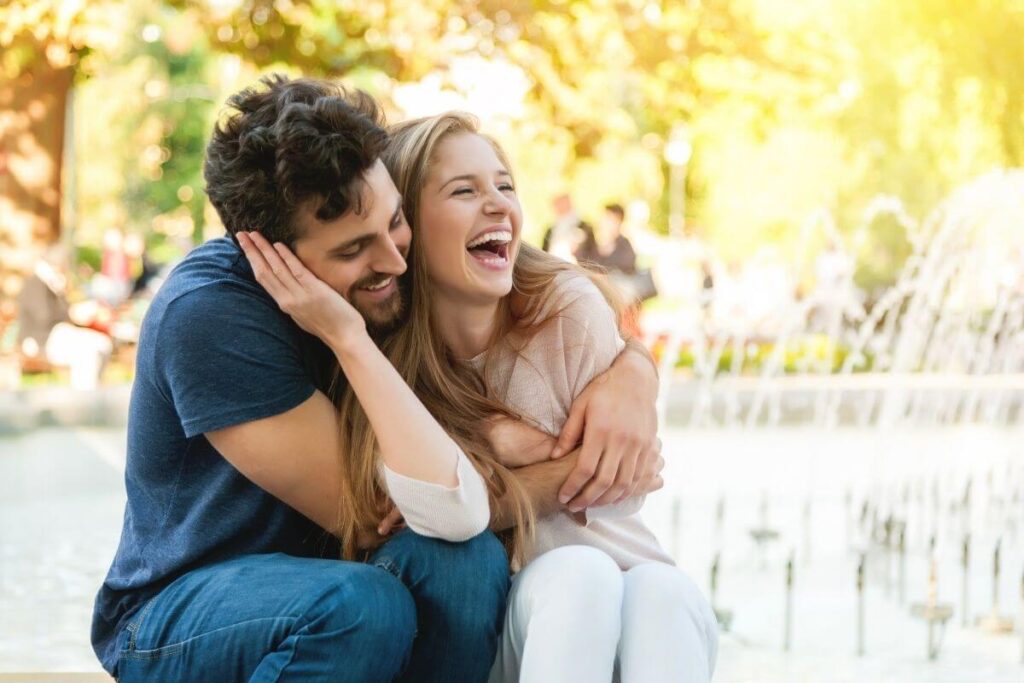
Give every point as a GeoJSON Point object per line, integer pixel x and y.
{"type": "Point", "coordinates": [470, 176]}
{"type": "Point", "coordinates": [464, 176]}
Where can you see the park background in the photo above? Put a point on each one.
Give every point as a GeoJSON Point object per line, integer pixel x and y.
{"type": "Point", "coordinates": [772, 145]}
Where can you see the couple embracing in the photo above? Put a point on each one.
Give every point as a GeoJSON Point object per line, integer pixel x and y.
{"type": "Point", "coordinates": [352, 438]}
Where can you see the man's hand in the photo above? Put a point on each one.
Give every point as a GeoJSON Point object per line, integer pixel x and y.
{"type": "Point", "coordinates": [542, 481]}
{"type": "Point", "coordinates": [616, 417]}
{"type": "Point", "coordinates": [649, 478]}
{"type": "Point", "coordinates": [515, 443]}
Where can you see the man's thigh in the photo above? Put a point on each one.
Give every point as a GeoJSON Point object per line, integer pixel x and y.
{"type": "Point", "coordinates": [228, 622]}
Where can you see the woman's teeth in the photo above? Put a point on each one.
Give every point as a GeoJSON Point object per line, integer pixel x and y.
{"type": "Point", "coordinates": [499, 236]}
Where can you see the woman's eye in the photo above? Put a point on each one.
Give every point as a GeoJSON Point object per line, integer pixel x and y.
{"type": "Point", "coordinates": [506, 187]}
{"type": "Point", "coordinates": [463, 190]}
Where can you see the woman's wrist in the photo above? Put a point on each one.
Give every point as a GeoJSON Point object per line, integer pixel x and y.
{"type": "Point", "coordinates": [350, 344]}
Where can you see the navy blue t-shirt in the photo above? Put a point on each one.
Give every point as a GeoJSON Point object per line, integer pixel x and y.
{"type": "Point", "coordinates": [214, 351]}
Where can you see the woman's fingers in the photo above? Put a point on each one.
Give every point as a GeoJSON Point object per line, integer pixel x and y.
{"type": "Point", "coordinates": [260, 268]}
{"type": "Point", "coordinates": [276, 264]}
{"type": "Point", "coordinates": [291, 261]}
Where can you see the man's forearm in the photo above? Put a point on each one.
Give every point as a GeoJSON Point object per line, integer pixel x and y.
{"type": "Point", "coordinates": [542, 482]}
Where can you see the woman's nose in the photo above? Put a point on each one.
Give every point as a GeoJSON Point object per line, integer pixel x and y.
{"type": "Point", "coordinates": [497, 203]}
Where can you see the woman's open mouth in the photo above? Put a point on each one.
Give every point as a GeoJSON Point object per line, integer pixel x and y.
{"type": "Point", "coordinates": [491, 249]}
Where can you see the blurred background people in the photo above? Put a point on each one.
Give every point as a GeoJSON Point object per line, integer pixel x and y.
{"type": "Point", "coordinates": [611, 250]}
{"type": "Point", "coordinates": [113, 283]}
{"type": "Point", "coordinates": [568, 237]}
{"type": "Point", "coordinates": [50, 331]}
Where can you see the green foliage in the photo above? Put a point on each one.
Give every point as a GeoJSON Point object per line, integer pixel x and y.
{"type": "Point", "coordinates": [186, 113]}
{"type": "Point", "coordinates": [791, 108]}
{"type": "Point", "coordinates": [883, 250]}
{"type": "Point", "coordinates": [60, 33]}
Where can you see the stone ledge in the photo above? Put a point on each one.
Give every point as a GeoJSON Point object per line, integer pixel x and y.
{"type": "Point", "coordinates": [23, 410]}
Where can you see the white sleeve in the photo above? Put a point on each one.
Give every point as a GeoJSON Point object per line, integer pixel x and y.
{"type": "Point", "coordinates": [452, 514]}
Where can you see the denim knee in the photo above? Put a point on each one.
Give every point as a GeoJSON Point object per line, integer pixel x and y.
{"type": "Point", "coordinates": [483, 562]}
{"type": "Point", "coordinates": [482, 556]}
{"type": "Point", "coordinates": [370, 611]}
{"type": "Point", "coordinates": [475, 570]}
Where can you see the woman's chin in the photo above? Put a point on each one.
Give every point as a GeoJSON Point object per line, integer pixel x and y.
{"type": "Point", "coordinates": [489, 291]}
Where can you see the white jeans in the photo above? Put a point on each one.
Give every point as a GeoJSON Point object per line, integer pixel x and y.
{"type": "Point", "coordinates": [573, 615]}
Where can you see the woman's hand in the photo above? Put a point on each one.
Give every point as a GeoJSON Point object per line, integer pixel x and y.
{"type": "Point", "coordinates": [311, 303]}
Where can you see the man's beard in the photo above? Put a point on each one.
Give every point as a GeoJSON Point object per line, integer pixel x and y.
{"type": "Point", "coordinates": [384, 317]}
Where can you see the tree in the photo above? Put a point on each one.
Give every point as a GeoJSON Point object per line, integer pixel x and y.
{"type": "Point", "coordinates": [604, 75]}
{"type": "Point", "coordinates": [46, 45]}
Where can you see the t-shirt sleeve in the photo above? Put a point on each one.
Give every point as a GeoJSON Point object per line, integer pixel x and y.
{"type": "Point", "coordinates": [228, 356]}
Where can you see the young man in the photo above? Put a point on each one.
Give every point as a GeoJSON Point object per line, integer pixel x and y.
{"type": "Point", "coordinates": [223, 571]}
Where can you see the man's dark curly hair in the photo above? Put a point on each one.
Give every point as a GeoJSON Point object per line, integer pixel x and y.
{"type": "Point", "coordinates": [288, 141]}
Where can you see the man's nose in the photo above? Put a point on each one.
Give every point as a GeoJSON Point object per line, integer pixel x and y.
{"type": "Point", "coordinates": [388, 258]}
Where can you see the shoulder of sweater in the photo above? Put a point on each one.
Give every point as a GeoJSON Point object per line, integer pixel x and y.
{"type": "Point", "coordinates": [576, 312]}
{"type": "Point", "coordinates": [572, 290]}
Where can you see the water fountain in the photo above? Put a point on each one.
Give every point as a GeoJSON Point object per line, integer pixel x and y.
{"type": "Point", "coordinates": [937, 358]}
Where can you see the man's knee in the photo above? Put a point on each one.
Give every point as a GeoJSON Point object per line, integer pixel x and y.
{"type": "Point", "coordinates": [468, 581]}
{"type": "Point", "coordinates": [367, 609]}
{"type": "Point", "coordinates": [481, 557]}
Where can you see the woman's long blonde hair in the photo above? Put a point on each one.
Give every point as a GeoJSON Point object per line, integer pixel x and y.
{"type": "Point", "coordinates": [454, 393]}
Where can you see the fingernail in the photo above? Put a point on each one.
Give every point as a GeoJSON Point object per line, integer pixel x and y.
{"type": "Point", "coordinates": [380, 530]}
{"type": "Point", "coordinates": [575, 508]}
{"type": "Point", "coordinates": [563, 499]}
{"type": "Point", "coordinates": [557, 453]}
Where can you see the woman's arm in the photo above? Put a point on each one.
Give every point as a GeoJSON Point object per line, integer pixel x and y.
{"type": "Point", "coordinates": [423, 465]}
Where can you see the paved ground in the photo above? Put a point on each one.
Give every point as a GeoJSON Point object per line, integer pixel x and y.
{"type": "Point", "coordinates": [61, 503]}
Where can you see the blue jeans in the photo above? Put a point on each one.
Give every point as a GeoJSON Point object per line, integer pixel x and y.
{"type": "Point", "coordinates": [420, 610]}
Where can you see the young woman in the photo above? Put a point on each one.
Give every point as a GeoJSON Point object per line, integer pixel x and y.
{"type": "Point", "coordinates": [498, 327]}
{"type": "Point", "coordinates": [596, 592]}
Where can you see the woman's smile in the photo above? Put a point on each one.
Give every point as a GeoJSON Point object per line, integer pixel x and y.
{"type": "Point", "coordinates": [469, 222]}
{"type": "Point", "coordinates": [491, 249]}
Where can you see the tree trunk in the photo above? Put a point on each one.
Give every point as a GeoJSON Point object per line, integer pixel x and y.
{"type": "Point", "coordinates": [32, 117]}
